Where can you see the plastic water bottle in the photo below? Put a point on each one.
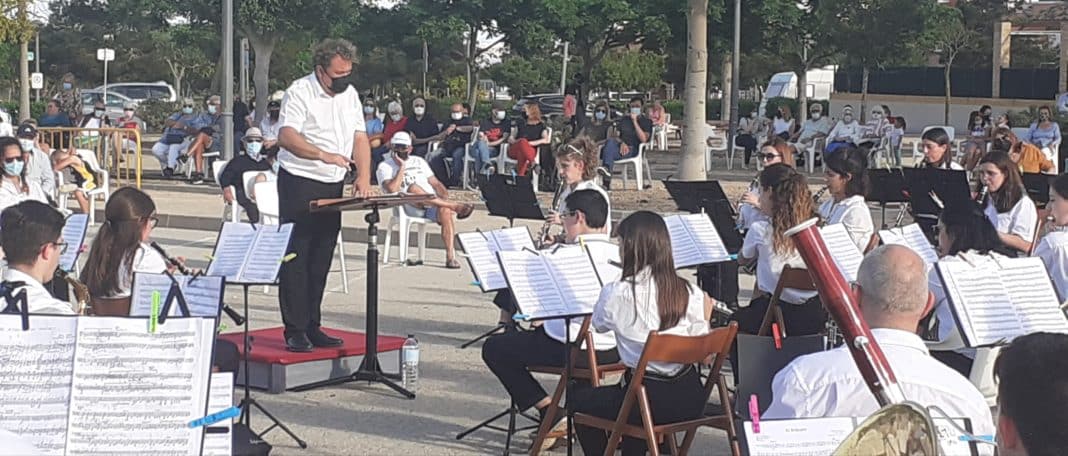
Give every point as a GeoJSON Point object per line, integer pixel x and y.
{"type": "Point", "coordinates": [410, 358]}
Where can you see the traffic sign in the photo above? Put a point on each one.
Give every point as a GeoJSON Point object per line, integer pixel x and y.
{"type": "Point", "coordinates": [30, 56]}
{"type": "Point", "coordinates": [105, 55]}
{"type": "Point", "coordinates": [37, 81]}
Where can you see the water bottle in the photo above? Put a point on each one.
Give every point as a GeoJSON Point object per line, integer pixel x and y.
{"type": "Point", "coordinates": [410, 358]}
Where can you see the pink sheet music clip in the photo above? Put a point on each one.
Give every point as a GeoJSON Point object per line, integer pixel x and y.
{"type": "Point", "coordinates": [754, 413]}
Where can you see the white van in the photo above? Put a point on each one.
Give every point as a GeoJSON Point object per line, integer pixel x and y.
{"type": "Point", "coordinates": [141, 91]}
{"type": "Point", "coordinates": [819, 85]}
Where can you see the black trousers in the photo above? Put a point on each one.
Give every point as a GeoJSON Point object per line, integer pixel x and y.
{"type": "Point", "coordinates": [303, 279]}
{"type": "Point", "coordinates": [509, 354]}
{"type": "Point", "coordinates": [670, 400]}
{"type": "Point", "coordinates": [749, 143]}
{"type": "Point", "coordinates": [249, 207]}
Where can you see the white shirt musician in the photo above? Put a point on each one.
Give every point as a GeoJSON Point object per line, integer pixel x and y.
{"type": "Point", "coordinates": [1053, 250]}
{"type": "Point", "coordinates": [31, 233]}
{"type": "Point", "coordinates": [576, 163]}
{"type": "Point", "coordinates": [847, 182]}
{"type": "Point", "coordinates": [322, 136]}
{"type": "Point", "coordinates": [1006, 204]}
{"type": "Point", "coordinates": [892, 297]}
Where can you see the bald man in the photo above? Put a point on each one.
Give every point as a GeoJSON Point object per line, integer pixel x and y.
{"type": "Point", "coordinates": [893, 297]}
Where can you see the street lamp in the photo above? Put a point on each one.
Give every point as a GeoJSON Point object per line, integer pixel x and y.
{"type": "Point", "coordinates": [105, 55]}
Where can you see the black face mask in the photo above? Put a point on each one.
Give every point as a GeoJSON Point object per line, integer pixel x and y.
{"type": "Point", "coordinates": [401, 154]}
{"type": "Point", "coordinates": [273, 113]}
{"type": "Point", "coordinates": [340, 83]}
{"type": "Point", "coordinates": [1002, 144]}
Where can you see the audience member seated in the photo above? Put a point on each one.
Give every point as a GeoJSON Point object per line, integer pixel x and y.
{"type": "Point", "coordinates": [814, 128]}
{"type": "Point", "coordinates": [402, 172]}
{"type": "Point", "coordinates": [876, 129]}
{"type": "Point", "coordinates": [179, 127]}
{"type": "Point", "coordinates": [423, 129]}
{"type": "Point", "coordinates": [232, 177]}
{"type": "Point", "coordinates": [979, 134]}
{"type": "Point", "coordinates": [208, 137]}
{"type": "Point", "coordinates": [846, 132]}
{"type": "Point", "coordinates": [32, 235]}
{"type": "Point", "coordinates": [1046, 134]}
{"type": "Point", "coordinates": [1027, 155]}
{"type": "Point", "coordinates": [892, 295]}
{"type": "Point", "coordinates": [630, 133]}
{"type": "Point", "coordinates": [492, 133]}
{"type": "Point", "coordinates": [897, 134]}
{"type": "Point", "coordinates": [270, 125]}
{"type": "Point", "coordinates": [54, 117]}
{"type": "Point", "coordinates": [94, 119]}
{"type": "Point", "coordinates": [15, 186]}
{"type": "Point", "coordinates": [375, 127]}
{"type": "Point", "coordinates": [1032, 377]}
{"type": "Point", "coordinates": [39, 165]}
{"type": "Point", "coordinates": [395, 121]}
{"type": "Point", "coordinates": [78, 176]}
{"type": "Point", "coordinates": [457, 135]}
{"type": "Point", "coordinates": [751, 126]}
{"type": "Point", "coordinates": [1002, 121]}
{"type": "Point", "coordinates": [597, 127]}
{"type": "Point", "coordinates": [1053, 248]}
{"type": "Point", "coordinates": [783, 125]}
{"type": "Point", "coordinates": [650, 296]}
{"type": "Point", "coordinates": [530, 135]}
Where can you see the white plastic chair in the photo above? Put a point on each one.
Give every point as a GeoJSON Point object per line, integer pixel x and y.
{"type": "Point", "coordinates": [949, 131]}
{"type": "Point", "coordinates": [505, 160]}
{"type": "Point", "coordinates": [719, 138]}
{"type": "Point", "coordinates": [267, 202]}
{"type": "Point", "coordinates": [639, 161]}
{"type": "Point", "coordinates": [216, 170]}
{"type": "Point", "coordinates": [468, 158]}
{"type": "Point", "coordinates": [982, 374]}
{"type": "Point", "coordinates": [404, 223]}
{"type": "Point", "coordinates": [103, 183]}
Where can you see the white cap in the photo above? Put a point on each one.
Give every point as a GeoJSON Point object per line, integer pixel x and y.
{"type": "Point", "coordinates": [277, 95]}
{"type": "Point", "coordinates": [401, 138]}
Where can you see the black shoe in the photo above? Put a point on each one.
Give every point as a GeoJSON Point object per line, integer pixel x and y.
{"type": "Point", "coordinates": [198, 178]}
{"type": "Point", "coordinates": [168, 173]}
{"type": "Point", "coordinates": [320, 339]}
{"type": "Point", "coordinates": [299, 343]}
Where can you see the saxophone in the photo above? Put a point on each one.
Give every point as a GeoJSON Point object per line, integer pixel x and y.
{"type": "Point", "coordinates": [81, 293]}
{"type": "Point", "coordinates": [544, 233]}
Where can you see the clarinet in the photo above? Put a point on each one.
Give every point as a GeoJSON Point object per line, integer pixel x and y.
{"type": "Point", "coordinates": [981, 196]}
{"type": "Point", "coordinates": [819, 194]}
{"type": "Point", "coordinates": [171, 261]}
{"type": "Point", "coordinates": [548, 226]}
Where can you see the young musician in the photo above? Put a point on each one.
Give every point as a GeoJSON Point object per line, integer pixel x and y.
{"type": "Point", "coordinates": [936, 151]}
{"type": "Point", "coordinates": [1032, 391]}
{"type": "Point", "coordinates": [785, 201]}
{"type": "Point", "coordinates": [650, 296]}
{"type": "Point", "coordinates": [576, 162]}
{"type": "Point", "coordinates": [847, 182]}
{"type": "Point", "coordinates": [773, 152]}
{"type": "Point", "coordinates": [31, 236]}
{"type": "Point", "coordinates": [509, 354]}
{"type": "Point", "coordinates": [1006, 203]}
{"type": "Point", "coordinates": [892, 298]}
{"type": "Point", "coordinates": [1053, 248]}
{"type": "Point", "coordinates": [964, 234]}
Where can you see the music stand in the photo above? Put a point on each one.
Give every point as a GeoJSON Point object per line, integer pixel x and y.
{"type": "Point", "coordinates": [370, 369]}
{"type": "Point", "coordinates": [950, 186]}
{"type": "Point", "coordinates": [693, 196]}
{"type": "Point", "coordinates": [511, 197]}
{"type": "Point", "coordinates": [887, 186]}
{"type": "Point", "coordinates": [1037, 185]}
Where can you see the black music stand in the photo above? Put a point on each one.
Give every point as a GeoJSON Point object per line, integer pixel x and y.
{"type": "Point", "coordinates": [887, 186]}
{"type": "Point", "coordinates": [693, 196]}
{"type": "Point", "coordinates": [370, 369]}
{"type": "Point", "coordinates": [511, 197]}
{"type": "Point", "coordinates": [1037, 185]}
{"type": "Point", "coordinates": [950, 186]}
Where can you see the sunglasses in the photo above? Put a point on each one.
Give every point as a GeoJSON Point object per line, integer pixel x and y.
{"type": "Point", "coordinates": [250, 141]}
{"type": "Point", "coordinates": [12, 159]}
{"type": "Point", "coordinates": [767, 157]}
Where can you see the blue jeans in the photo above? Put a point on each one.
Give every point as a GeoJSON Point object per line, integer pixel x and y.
{"type": "Point", "coordinates": [378, 155]}
{"type": "Point", "coordinates": [484, 154]}
{"type": "Point", "coordinates": [441, 168]}
{"type": "Point", "coordinates": [612, 152]}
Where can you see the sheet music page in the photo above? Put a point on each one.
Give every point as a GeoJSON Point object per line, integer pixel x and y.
{"type": "Point", "coordinates": [481, 253]}
{"type": "Point", "coordinates": [575, 277]}
{"type": "Point", "coordinates": [135, 392]}
{"type": "Point", "coordinates": [706, 238]}
{"type": "Point", "coordinates": [515, 238]}
{"type": "Point", "coordinates": [265, 257]}
{"type": "Point", "coordinates": [843, 250]}
{"type": "Point", "coordinates": [684, 248]}
{"type": "Point", "coordinates": [980, 302]}
{"type": "Point", "coordinates": [35, 383]}
{"type": "Point", "coordinates": [802, 437]}
{"type": "Point", "coordinates": [949, 437]}
{"type": "Point", "coordinates": [893, 236]}
{"type": "Point", "coordinates": [74, 235]}
{"type": "Point", "coordinates": [603, 254]}
{"type": "Point", "coordinates": [235, 240]}
{"type": "Point", "coordinates": [918, 241]}
{"type": "Point", "coordinates": [144, 285]}
{"type": "Point", "coordinates": [220, 397]}
{"type": "Point", "coordinates": [532, 283]}
{"type": "Point", "coordinates": [203, 295]}
{"type": "Point", "coordinates": [1029, 286]}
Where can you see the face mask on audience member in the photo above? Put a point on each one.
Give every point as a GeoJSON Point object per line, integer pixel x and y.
{"type": "Point", "coordinates": [816, 115]}
{"type": "Point", "coordinates": [457, 115]}
{"type": "Point", "coordinates": [500, 115]}
{"type": "Point", "coordinates": [187, 110]}
{"type": "Point", "coordinates": [847, 118]}
{"type": "Point", "coordinates": [128, 113]}
{"type": "Point", "coordinates": [98, 112]}
{"type": "Point", "coordinates": [253, 149]}
{"type": "Point", "coordinates": [14, 168]}
{"type": "Point", "coordinates": [27, 144]}
{"type": "Point", "coordinates": [67, 86]}
{"type": "Point", "coordinates": [635, 111]}
{"type": "Point", "coordinates": [274, 114]}
{"type": "Point", "coordinates": [368, 109]}
{"type": "Point", "coordinates": [600, 115]}
{"type": "Point", "coordinates": [419, 110]}
{"type": "Point", "coordinates": [1043, 115]}
{"type": "Point", "coordinates": [212, 109]}
{"type": "Point", "coordinates": [401, 153]}
{"type": "Point", "coordinates": [395, 117]}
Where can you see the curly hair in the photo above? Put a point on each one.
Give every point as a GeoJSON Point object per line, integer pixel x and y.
{"type": "Point", "coordinates": [326, 50]}
{"type": "Point", "coordinates": [791, 203]}
{"type": "Point", "coordinates": [581, 149]}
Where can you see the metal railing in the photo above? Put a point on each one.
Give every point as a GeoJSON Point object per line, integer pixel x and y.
{"type": "Point", "coordinates": [118, 150]}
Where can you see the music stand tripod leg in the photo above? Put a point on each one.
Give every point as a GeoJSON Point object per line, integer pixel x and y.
{"type": "Point", "coordinates": [486, 334]}
{"type": "Point", "coordinates": [248, 402]}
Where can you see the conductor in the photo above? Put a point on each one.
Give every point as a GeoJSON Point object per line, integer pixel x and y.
{"type": "Point", "coordinates": [321, 137]}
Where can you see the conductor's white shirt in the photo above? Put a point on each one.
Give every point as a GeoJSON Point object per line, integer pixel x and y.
{"type": "Point", "coordinates": [828, 384]}
{"type": "Point", "coordinates": [38, 299]}
{"type": "Point", "coordinates": [601, 250]}
{"type": "Point", "coordinates": [1053, 250]}
{"type": "Point", "coordinates": [631, 319]}
{"type": "Point", "coordinates": [1021, 220]}
{"type": "Point", "coordinates": [852, 212]}
{"type": "Point", "coordinates": [327, 122]}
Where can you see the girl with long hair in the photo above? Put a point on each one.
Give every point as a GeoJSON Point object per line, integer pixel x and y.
{"type": "Point", "coordinates": [964, 234]}
{"type": "Point", "coordinates": [14, 186]}
{"type": "Point", "coordinates": [786, 201]}
{"type": "Point", "coordinates": [847, 183]}
{"type": "Point", "coordinates": [979, 133]}
{"type": "Point", "coordinates": [530, 135]}
{"type": "Point", "coordinates": [936, 150]}
{"type": "Point", "coordinates": [650, 296]}
{"type": "Point", "coordinates": [1053, 248]}
{"type": "Point", "coordinates": [576, 164]}
{"type": "Point", "coordinates": [775, 151]}
{"type": "Point", "coordinates": [1006, 203]}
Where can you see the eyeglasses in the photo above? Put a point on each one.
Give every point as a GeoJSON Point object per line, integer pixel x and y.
{"type": "Point", "coordinates": [61, 245]}
{"type": "Point", "coordinates": [152, 221]}
{"type": "Point", "coordinates": [12, 159]}
{"type": "Point", "coordinates": [569, 214]}
{"type": "Point", "coordinates": [767, 157]}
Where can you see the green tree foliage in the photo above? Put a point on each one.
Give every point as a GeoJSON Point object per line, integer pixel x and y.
{"type": "Point", "coordinates": [629, 70]}
{"type": "Point", "coordinates": [526, 76]}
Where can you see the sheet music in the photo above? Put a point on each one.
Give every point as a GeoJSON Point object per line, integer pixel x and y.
{"type": "Point", "coordinates": [949, 437]}
{"type": "Point", "coordinates": [801, 437]}
{"type": "Point", "coordinates": [481, 249]}
{"type": "Point", "coordinates": [134, 392]}
{"type": "Point", "coordinates": [843, 250]}
{"type": "Point", "coordinates": [220, 397]}
{"type": "Point", "coordinates": [203, 295]}
{"type": "Point", "coordinates": [531, 282]}
{"type": "Point", "coordinates": [235, 240]}
{"type": "Point", "coordinates": [911, 236]}
{"type": "Point", "coordinates": [603, 255]}
{"type": "Point", "coordinates": [1028, 284]}
{"type": "Point", "coordinates": [265, 258]}
{"type": "Point", "coordinates": [74, 235]}
{"type": "Point", "coordinates": [35, 383]}
{"type": "Point", "coordinates": [575, 277]}
{"type": "Point", "coordinates": [694, 240]}
{"type": "Point", "coordinates": [980, 302]}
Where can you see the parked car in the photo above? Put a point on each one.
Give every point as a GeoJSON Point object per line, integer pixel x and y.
{"type": "Point", "coordinates": [552, 104]}
{"type": "Point", "coordinates": [141, 91]}
{"type": "Point", "coordinates": [115, 103]}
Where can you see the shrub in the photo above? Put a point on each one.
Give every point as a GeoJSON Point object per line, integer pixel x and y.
{"type": "Point", "coordinates": [155, 111]}
{"type": "Point", "coordinates": [37, 109]}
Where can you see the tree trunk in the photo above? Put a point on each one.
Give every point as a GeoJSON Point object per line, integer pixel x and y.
{"type": "Point", "coordinates": [472, 70]}
{"type": "Point", "coordinates": [725, 87]}
{"type": "Point", "coordinates": [863, 96]}
{"type": "Point", "coordinates": [692, 162]}
{"type": "Point", "coordinates": [262, 48]}
{"type": "Point", "coordinates": [802, 95]}
{"type": "Point", "coordinates": [949, 92]}
{"type": "Point", "coordinates": [216, 79]}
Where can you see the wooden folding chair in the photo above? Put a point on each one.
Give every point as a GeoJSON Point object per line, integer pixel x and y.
{"type": "Point", "coordinates": [791, 277]}
{"type": "Point", "coordinates": [594, 374]}
{"type": "Point", "coordinates": [1039, 226]}
{"type": "Point", "coordinates": [670, 348]}
{"type": "Point", "coordinates": [872, 244]}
